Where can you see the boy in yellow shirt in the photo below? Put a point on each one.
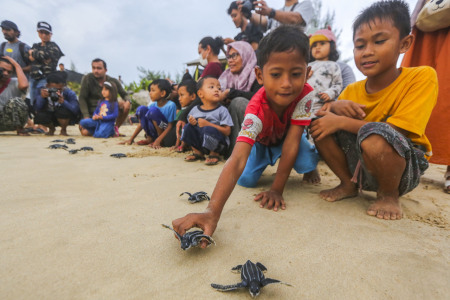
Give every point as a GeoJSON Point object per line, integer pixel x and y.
{"type": "Point", "coordinates": [375, 132]}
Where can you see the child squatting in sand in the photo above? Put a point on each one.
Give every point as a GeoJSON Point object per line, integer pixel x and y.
{"type": "Point", "coordinates": [376, 129]}
{"type": "Point", "coordinates": [273, 127]}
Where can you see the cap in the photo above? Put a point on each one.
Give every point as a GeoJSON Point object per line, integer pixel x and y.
{"type": "Point", "coordinates": [322, 35]}
{"type": "Point", "coordinates": [44, 26]}
{"type": "Point", "coordinates": [9, 25]}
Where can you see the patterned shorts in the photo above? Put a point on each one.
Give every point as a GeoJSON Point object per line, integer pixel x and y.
{"type": "Point", "coordinates": [416, 163]}
{"type": "Point", "coordinates": [14, 114]}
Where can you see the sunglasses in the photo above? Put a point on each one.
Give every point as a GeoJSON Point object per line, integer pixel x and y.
{"type": "Point", "coordinates": [233, 56]}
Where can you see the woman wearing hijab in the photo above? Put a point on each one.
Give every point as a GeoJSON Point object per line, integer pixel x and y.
{"type": "Point", "coordinates": [238, 83]}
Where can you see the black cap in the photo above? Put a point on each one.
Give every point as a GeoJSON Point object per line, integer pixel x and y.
{"type": "Point", "coordinates": [9, 25]}
{"type": "Point", "coordinates": [44, 26]}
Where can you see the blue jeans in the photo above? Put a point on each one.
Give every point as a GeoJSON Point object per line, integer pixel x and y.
{"type": "Point", "coordinates": [261, 156]}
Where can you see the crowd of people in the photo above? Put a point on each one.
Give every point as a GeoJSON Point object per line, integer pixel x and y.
{"type": "Point", "coordinates": [284, 96]}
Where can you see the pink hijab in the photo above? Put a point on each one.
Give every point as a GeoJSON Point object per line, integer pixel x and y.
{"type": "Point", "coordinates": [244, 80]}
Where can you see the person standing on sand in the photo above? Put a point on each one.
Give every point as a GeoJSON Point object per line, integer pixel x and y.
{"type": "Point", "coordinates": [91, 93]}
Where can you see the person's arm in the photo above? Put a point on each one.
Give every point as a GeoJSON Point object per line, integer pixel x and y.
{"type": "Point", "coordinates": [133, 136]}
{"type": "Point", "coordinates": [21, 78]}
{"type": "Point", "coordinates": [157, 143]}
{"type": "Point", "coordinates": [41, 99]}
{"type": "Point", "coordinates": [284, 17]}
{"type": "Point", "coordinates": [274, 197]}
{"type": "Point", "coordinates": [336, 84]}
{"type": "Point", "coordinates": [84, 94]}
{"type": "Point", "coordinates": [224, 129]}
{"type": "Point", "coordinates": [121, 91]}
{"type": "Point", "coordinates": [70, 101]}
{"type": "Point", "coordinates": [228, 178]}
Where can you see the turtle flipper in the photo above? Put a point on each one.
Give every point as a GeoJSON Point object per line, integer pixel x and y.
{"type": "Point", "coordinates": [226, 288]}
{"type": "Point", "coordinates": [261, 267]}
{"type": "Point", "coordinates": [267, 281]}
{"type": "Point", "coordinates": [186, 193]}
{"type": "Point", "coordinates": [168, 227]}
{"type": "Point", "coordinates": [206, 237]}
{"type": "Point", "coordinates": [237, 269]}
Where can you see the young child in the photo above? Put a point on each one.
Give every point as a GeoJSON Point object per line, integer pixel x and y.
{"type": "Point", "coordinates": [187, 93]}
{"type": "Point", "coordinates": [376, 128]}
{"type": "Point", "coordinates": [101, 125]}
{"type": "Point", "coordinates": [209, 124]}
{"type": "Point", "coordinates": [326, 76]}
{"type": "Point", "coordinates": [156, 119]}
{"type": "Point", "coordinates": [273, 126]}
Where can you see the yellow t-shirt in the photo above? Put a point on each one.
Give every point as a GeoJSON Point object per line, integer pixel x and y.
{"type": "Point", "coordinates": [406, 103]}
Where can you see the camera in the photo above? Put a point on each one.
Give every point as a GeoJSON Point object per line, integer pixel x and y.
{"type": "Point", "coordinates": [53, 94]}
{"type": "Point", "coordinates": [247, 7]}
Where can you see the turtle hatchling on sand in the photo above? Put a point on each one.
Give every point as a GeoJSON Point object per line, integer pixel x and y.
{"type": "Point", "coordinates": [197, 197]}
{"type": "Point", "coordinates": [57, 141]}
{"type": "Point", "coordinates": [57, 146]}
{"type": "Point", "coordinates": [252, 278]}
{"type": "Point", "coordinates": [70, 141]}
{"type": "Point", "coordinates": [191, 238]}
{"type": "Point", "coordinates": [86, 149]}
{"type": "Point", "coordinates": [73, 151]}
{"type": "Point", "coordinates": [118, 155]}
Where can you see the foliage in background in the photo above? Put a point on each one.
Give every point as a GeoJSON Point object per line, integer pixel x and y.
{"type": "Point", "coordinates": [74, 86]}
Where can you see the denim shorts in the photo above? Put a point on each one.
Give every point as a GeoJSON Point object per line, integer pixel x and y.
{"type": "Point", "coordinates": [416, 163]}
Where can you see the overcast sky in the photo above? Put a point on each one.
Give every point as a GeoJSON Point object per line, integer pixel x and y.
{"type": "Point", "coordinates": [157, 35]}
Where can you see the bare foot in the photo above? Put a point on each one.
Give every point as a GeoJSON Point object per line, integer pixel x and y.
{"type": "Point", "coordinates": [22, 132]}
{"type": "Point", "coordinates": [50, 132]}
{"type": "Point", "coordinates": [63, 132]}
{"type": "Point", "coordinates": [340, 192]}
{"type": "Point", "coordinates": [387, 208]}
{"type": "Point", "coordinates": [312, 177]}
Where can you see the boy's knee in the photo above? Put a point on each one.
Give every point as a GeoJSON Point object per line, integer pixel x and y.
{"type": "Point", "coordinates": [375, 145]}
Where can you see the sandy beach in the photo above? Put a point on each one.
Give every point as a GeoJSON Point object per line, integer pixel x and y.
{"type": "Point", "coordinates": [88, 226]}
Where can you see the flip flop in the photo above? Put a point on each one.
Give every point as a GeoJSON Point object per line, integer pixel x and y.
{"type": "Point", "coordinates": [212, 163]}
{"type": "Point", "coordinates": [143, 142]}
{"type": "Point", "coordinates": [194, 156]}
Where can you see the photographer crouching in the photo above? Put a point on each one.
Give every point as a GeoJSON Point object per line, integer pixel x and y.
{"type": "Point", "coordinates": [13, 109]}
{"type": "Point", "coordinates": [56, 105]}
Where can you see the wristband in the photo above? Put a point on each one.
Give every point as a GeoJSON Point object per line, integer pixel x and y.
{"type": "Point", "coordinates": [272, 13]}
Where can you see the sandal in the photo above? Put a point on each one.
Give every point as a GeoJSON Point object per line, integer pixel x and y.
{"type": "Point", "coordinates": [447, 182]}
{"type": "Point", "coordinates": [194, 157]}
{"type": "Point", "coordinates": [213, 160]}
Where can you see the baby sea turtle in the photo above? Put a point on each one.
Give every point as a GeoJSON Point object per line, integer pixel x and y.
{"type": "Point", "coordinates": [57, 146]}
{"type": "Point", "coordinates": [70, 141]}
{"type": "Point", "coordinates": [197, 197]}
{"type": "Point", "coordinates": [86, 149]}
{"type": "Point", "coordinates": [73, 151]}
{"type": "Point", "coordinates": [252, 278]}
{"type": "Point", "coordinates": [57, 141]}
{"type": "Point", "coordinates": [118, 155]}
{"type": "Point", "coordinates": [191, 238]}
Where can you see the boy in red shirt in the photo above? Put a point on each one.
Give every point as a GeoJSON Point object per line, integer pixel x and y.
{"type": "Point", "coordinates": [275, 118]}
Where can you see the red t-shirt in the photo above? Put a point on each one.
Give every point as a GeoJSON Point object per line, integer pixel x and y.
{"type": "Point", "coordinates": [261, 124]}
{"type": "Point", "coordinates": [213, 69]}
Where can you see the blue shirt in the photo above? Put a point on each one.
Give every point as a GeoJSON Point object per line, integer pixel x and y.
{"type": "Point", "coordinates": [70, 101]}
{"type": "Point", "coordinates": [169, 110]}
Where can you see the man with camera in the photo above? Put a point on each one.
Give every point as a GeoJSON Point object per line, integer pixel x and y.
{"type": "Point", "coordinates": [13, 109]}
{"type": "Point", "coordinates": [56, 104]}
{"type": "Point", "coordinates": [91, 92]}
{"type": "Point", "coordinates": [250, 33]}
{"type": "Point", "coordinates": [293, 12]}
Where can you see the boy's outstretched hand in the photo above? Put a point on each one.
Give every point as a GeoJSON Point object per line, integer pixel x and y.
{"type": "Point", "coordinates": [206, 221]}
{"type": "Point", "coordinates": [272, 198]}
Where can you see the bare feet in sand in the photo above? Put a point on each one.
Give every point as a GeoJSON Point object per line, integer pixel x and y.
{"type": "Point", "coordinates": [387, 208]}
{"type": "Point", "coordinates": [63, 132]}
{"type": "Point", "coordinates": [312, 177]}
{"type": "Point", "coordinates": [340, 192]}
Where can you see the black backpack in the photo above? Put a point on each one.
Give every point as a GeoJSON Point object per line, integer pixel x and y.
{"type": "Point", "coordinates": [21, 49]}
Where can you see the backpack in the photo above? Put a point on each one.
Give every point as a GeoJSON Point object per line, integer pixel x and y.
{"type": "Point", "coordinates": [21, 49]}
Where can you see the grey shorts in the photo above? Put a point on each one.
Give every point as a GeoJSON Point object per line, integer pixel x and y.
{"type": "Point", "coordinates": [416, 163]}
